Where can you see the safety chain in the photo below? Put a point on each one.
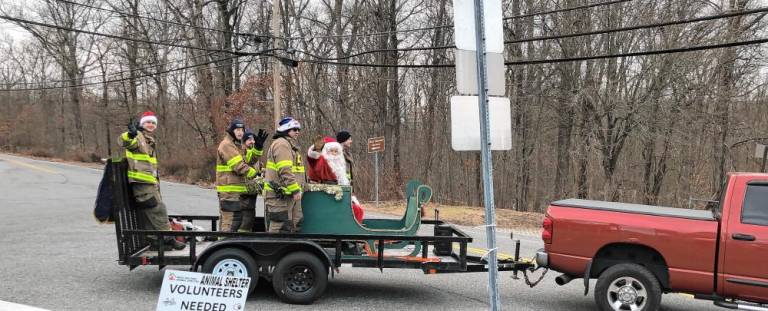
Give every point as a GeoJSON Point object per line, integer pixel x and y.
{"type": "Point", "coordinates": [532, 270]}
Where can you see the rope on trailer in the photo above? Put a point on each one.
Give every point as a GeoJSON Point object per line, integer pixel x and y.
{"type": "Point", "coordinates": [528, 281]}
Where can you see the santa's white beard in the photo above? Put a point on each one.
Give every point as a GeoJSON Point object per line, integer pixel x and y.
{"type": "Point", "coordinates": [338, 166]}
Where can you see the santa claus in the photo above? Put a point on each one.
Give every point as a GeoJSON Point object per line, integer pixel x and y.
{"type": "Point", "coordinates": [328, 166]}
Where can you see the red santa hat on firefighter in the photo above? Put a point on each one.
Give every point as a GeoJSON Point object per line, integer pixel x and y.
{"type": "Point", "coordinates": [148, 116]}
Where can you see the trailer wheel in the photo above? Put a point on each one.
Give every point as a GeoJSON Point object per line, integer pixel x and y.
{"type": "Point", "coordinates": [300, 278]}
{"type": "Point", "coordinates": [233, 262]}
{"type": "Point", "coordinates": [627, 287]}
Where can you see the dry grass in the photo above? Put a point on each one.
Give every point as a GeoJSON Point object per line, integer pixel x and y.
{"type": "Point", "coordinates": [464, 215]}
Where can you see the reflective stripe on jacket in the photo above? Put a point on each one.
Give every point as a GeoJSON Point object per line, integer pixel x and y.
{"type": "Point", "coordinates": [139, 152]}
{"type": "Point", "coordinates": [284, 167]}
{"type": "Point", "coordinates": [231, 170]}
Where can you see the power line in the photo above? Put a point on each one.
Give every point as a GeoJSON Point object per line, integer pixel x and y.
{"type": "Point", "coordinates": [377, 51]}
{"type": "Point", "coordinates": [640, 53]}
{"type": "Point", "coordinates": [24, 21]}
{"type": "Point", "coordinates": [559, 60]}
{"type": "Point", "coordinates": [110, 74]}
{"type": "Point", "coordinates": [160, 20]}
{"type": "Point", "coordinates": [125, 79]}
{"type": "Point", "coordinates": [384, 33]}
{"type": "Point", "coordinates": [587, 6]}
{"type": "Point", "coordinates": [645, 26]}
{"type": "Point", "coordinates": [371, 34]}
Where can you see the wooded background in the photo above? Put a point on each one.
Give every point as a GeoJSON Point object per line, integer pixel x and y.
{"type": "Point", "coordinates": [656, 129]}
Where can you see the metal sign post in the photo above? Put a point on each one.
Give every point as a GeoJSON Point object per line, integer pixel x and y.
{"type": "Point", "coordinates": [376, 145]}
{"type": "Point", "coordinates": [485, 150]}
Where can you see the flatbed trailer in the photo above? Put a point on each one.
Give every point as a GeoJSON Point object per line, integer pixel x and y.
{"type": "Point", "coordinates": [297, 264]}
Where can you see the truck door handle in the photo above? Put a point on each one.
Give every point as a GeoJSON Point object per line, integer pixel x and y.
{"type": "Point", "coordinates": [743, 237]}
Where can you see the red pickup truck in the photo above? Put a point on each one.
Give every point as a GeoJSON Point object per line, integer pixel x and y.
{"type": "Point", "coordinates": [637, 252]}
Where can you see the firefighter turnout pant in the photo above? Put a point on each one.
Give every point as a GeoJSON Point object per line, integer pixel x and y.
{"type": "Point", "coordinates": [283, 215]}
{"type": "Point", "coordinates": [150, 209]}
{"type": "Point", "coordinates": [230, 214]}
{"type": "Point", "coordinates": [248, 211]}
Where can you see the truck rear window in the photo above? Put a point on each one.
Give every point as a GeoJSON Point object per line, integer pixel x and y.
{"type": "Point", "coordinates": [755, 209]}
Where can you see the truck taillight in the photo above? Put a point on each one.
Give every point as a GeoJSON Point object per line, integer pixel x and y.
{"type": "Point", "coordinates": [546, 234]}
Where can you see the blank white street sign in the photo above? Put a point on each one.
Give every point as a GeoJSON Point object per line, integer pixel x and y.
{"type": "Point", "coordinates": [465, 123]}
{"type": "Point", "coordinates": [759, 151]}
{"type": "Point", "coordinates": [464, 25]}
{"type": "Point", "coordinates": [466, 73]}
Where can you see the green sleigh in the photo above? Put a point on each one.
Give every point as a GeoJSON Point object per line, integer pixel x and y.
{"type": "Point", "coordinates": [328, 210]}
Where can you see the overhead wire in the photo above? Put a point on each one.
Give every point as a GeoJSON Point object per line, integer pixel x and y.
{"type": "Point", "coordinates": [559, 60]}
{"type": "Point", "coordinates": [644, 26]}
{"type": "Point", "coordinates": [580, 7]}
{"type": "Point", "coordinates": [112, 73]}
{"type": "Point", "coordinates": [641, 53]}
{"type": "Point", "coordinates": [129, 78]}
{"type": "Point", "coordinates": [160, 20]}
{"type": "Point", "coordinates": [30, 22]}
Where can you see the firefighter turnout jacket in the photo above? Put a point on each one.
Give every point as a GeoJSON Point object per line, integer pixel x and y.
{"type": "Point", "coordinates": [284, 168]}
{"type": "Point", "coordinates": [231, 170]}
{"type": "Point", "coordinates": [140, 154]}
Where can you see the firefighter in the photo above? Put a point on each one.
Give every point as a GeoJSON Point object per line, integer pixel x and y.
{"type": "Point", "coordinates": [284, 179]}
{"type": "Point", "coordinates": [231, 175]}
{"type": "Point", "coordinates": [140, 148]}
{"type": "Point", "coordinates": [253, 150]}
{"type": "Point", "coordinates": [345, 139]}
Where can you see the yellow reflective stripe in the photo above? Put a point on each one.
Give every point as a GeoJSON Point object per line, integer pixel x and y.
{"type": "Point", "coordinates": [223, 168]}
{"type": "Point", "coordinates": [268, 187]}
{"type": "Point", "coordinates": [270, 165]}
{"type": "Point", "coordinates": [297, 169]}
{"type": "Point", "coordinates": [232, 188]}
{"type": "Point", "coordinates": [125, 138]}
{"type": "Point", "coordinates": [349, 175]}
{"type": "Point", "coordinates": [282, 164]}
{"type": "Point", "coordinates": [248, 155]}
{"type": "Point", "coordinates": [233, 161]}
{"type": "Point", "coordinates": [142, 177]}
{"type": "Point", "coordinates": [140, 157]}
{"type": "Point", "coordinates": [258, 152]}
{"type": "Point", "coordinates": [292, 188]}
{"type": "Point", "coordinates": [251, 173]}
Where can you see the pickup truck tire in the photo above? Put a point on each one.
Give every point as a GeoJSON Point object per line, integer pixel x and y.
{"type": "Point", "coordinates": [627, 286]}
{"type": "Point", "coordinates": [300, 278]}
{"type": "Point", "coordinates": [233, 262]}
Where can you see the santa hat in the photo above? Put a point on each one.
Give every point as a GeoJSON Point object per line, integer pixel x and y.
{"type": "Point", "coordinates": [287, 124]}
{"type": "Point", "coordinates": [148, 116]}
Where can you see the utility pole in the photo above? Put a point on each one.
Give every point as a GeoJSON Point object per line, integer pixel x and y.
{"type": "Point", "coordinates": [277, 67]}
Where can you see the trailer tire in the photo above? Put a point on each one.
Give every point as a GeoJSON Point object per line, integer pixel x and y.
{"type": "Point", "coordinates": [233, 262]}
{"type": "Point", "coordinates": [300, 278]}
{"type": "Point", "coordinates": [627, 284]}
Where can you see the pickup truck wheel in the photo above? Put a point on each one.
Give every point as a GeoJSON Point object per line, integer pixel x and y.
{"type": "Point", "coordinates": [300, 278]}
{"type": "Point", "coordinates": [627, 287]}
{"type": "Point", "coordinates": [233, 262]}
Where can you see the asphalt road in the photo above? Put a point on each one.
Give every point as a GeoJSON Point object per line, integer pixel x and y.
{"type": "Point", "coordinates": [54, 255]}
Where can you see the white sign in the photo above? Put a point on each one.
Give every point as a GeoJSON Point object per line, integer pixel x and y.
{"type": "Point", "coordinates": [464, 25]}
{"type": "Point", "coordinates": [183, 290]}
{"type": "Point", "coordinates": [466, 73]}
{"type": "Point", "coordinates": [465, 123]}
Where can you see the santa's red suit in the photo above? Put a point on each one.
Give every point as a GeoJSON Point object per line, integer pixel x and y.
{"type": "Point", "coordinates": [329, 167]}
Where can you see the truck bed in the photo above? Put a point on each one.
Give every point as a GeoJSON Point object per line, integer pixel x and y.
{"type": "Point", "coordinates": [637, 209]}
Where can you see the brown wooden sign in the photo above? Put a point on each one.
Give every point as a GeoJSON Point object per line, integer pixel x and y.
{"type": "Point", "coordinates": [375, 144]}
